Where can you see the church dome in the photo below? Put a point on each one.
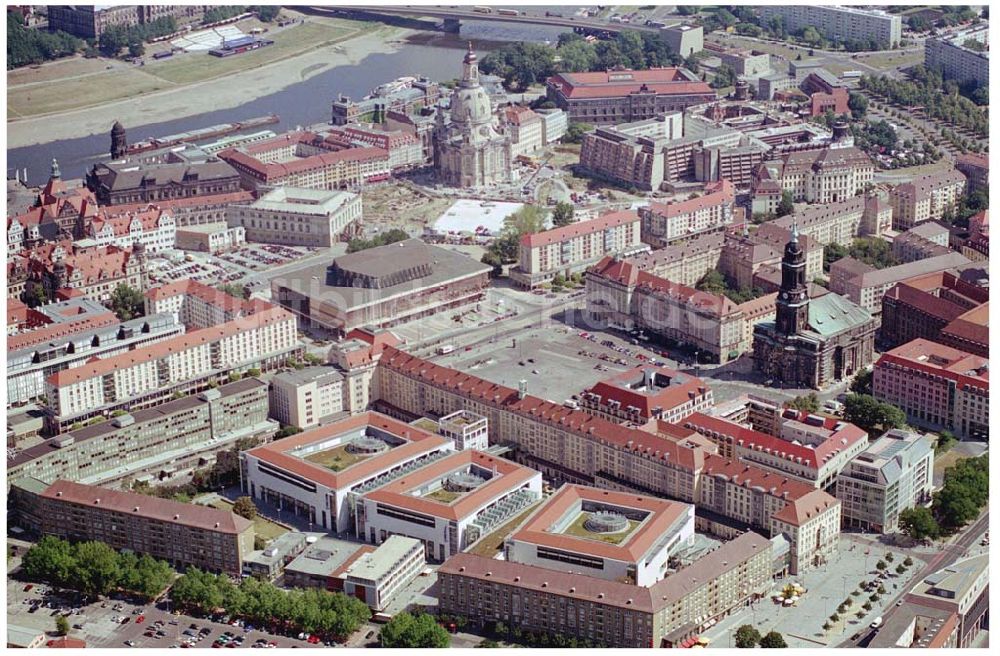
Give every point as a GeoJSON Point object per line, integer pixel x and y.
{"type": "Point", "coordinates": [471, 105]}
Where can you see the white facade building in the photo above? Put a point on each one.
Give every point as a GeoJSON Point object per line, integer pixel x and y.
{"type": "Point", "coordinates": [154, 228]}
{"type": "Point", "coordinates": [841, 23]}
{"type": "Point", "coordinates": [377, 577]}
{"type": "Point", "coordinates": [299, 217]}
{"type": "Point", "coordinates": [555, 122]}
{"type": "Point", "coordinates": [304, 397]}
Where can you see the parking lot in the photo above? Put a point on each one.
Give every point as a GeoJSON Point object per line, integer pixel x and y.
{"type": "Point", "coordinates": [225, 267]}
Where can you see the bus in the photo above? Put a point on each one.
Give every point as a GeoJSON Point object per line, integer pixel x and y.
{"type": "Point", "coordinates": [508, 12]}
{"type": "Point", "coordinates": [482, 10]}
{"type": "Point", "coordinates": [852, 74]}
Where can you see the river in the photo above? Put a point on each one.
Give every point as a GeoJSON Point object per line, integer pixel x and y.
{"type": "Point", "coordinates": [433, 54]}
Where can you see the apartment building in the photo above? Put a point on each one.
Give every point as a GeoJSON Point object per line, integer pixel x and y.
{"type": "Point", "coordinates": [923, 306]}
{"type": "Point", "coordinates": [926, 198]}
{"type": "Point", "coordinates": [645, 393]}
{"type": "Point", "coordinates": [34, 355]}
{"type": "Point", "coordinates": [321, 473]}
{"type": "Point", "coordinates": [263, 338]}
{"type": "Point", "coordinates": [564, 534]}
{"type": "Point", "coordinates": [957, 58]}
{"type": "Point", "coordinates": [448, 504]}
{"type": "Point", "coordinates": [866, 285]}
{"type": "Point", "coordinates": [893, 474]}
{"type": "Point", "coordinates": [924, 240]}
{"type": "Point", "coordinates": [821, 176]}
{"type": "Point", "coordinates": [381, 287]}
{"type": "Point", "coordinates": [976, 168]}
{"type": "Point", "coordinates": [809, 448]}
{"type": "Point", "coordinates": [155, 445]}
{"type": "Point", "coordinates": [572, 446]}
{"type": "Point", "coordinates": [299, 217]}
{"type": "Point", "coordinates": [663, 223]}
{"type": "Point", "coordinates": [405, 150]}
{"type": "Point", "coordinates": [840, 222]}
{"type": "Point", "coordinates": [608, 613]}
{"type": "Point", "coordinates": [526, 130]}
{"type": "Point", "coordinates": [308, 160]}
{"type": "Point", "coordinates": [183, 534]}
{"type": "Point", "coordinates": [377, 576]}
{"type": "Point", "coordinates": [154, 228]}
{"type": "Point", "coordinates": [573, 248]}
{"type": "Point", "coordinates": [305, 397]}
{"type": "Point", "coordinates": [68, 269]}
{"type": "Point", "coordinates": [355, 358]}
{"type": "Point", "coordinates": [685, 261]}
{"type": "Point", "coordinates": [937, 386]}
{"type": "Point", "coordinates": [622, 296]}
{"type": "Point", "coordinates": [555, 122]}
{"type": "Point", "coordinates": [839, 23]}
{"type": "Point", "coordinates": [622, 96]}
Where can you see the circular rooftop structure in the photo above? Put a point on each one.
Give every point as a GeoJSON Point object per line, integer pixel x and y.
{"type": "Point", "coordinates": [463, 482]}
{"type": "Point", "coordinates": [367, 446]}
{"type": "Point", "coordinates": [604, 521]}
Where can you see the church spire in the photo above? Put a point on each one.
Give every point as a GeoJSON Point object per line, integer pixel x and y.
{"type": "Point", "coordinates": [56, 174]}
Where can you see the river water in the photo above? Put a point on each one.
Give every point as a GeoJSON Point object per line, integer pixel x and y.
{"type": "Point", "coordinates": [432, 54]}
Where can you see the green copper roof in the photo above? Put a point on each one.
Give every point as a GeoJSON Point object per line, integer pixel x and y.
{"type": "Point", "coordinates": [831, 314]}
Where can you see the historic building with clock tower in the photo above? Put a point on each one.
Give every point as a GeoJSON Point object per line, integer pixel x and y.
{"type": "Point", "coordinates": [812, 343]}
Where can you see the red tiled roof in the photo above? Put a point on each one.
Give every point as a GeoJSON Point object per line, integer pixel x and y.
{"type": "Point", "coordinates": [164, 510]}
{"type": "Point", "coordinates": [507, 478]}
{"type": "Point", "coordinates": [556, 235]}
{"type": "Point", "coordinates": [627, 273]}
{"type": "Point", "coordinates": [806, 507]}
{"type": "Point", "coordinates": [199, 290]}
{"type": "Point", "coordinates": [940, 360]}
{"type": "Point", "coordinates": [611, 84]}
{"type": "Point", "coordinates": [121, 221]}
{"type": "Point", "coordinates": [676, 394]}
{"type": "Point", "coordinates": [716, 193]}
{"type": "Point", "coordinates": [274, 171]}
{"type": "Point", "coordinates": [537, 529]}
{"type": "Point", "coordinates": [57, 330]}
{"type": "Point", "coordinates": [748, 475]}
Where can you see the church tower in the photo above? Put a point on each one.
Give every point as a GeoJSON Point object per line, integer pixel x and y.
{"type": "Point", "coordinates": [793, 298]}
{"type": "Point", "coordinates": [119, 145]}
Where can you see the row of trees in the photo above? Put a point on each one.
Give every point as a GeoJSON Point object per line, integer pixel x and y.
{"type": "Point", "coordinates": [413, 631]}
{"type": "Point", "coordinates": [871, 415]}
{"type": "Point", "coordinates": [714, 282]}
{"type": "Point", "coordinates": [225, 472]}
{"type": "Point", "coordinates": [262, 603]}
{"type": "Point", "coordinates": [94, 568]}
{"type": "Point", "coordinates": [871, 251]}
{"type": "Point", "coordinates": [381, 239]}
{"type": "Point", "coordinates": [940, 100]}
{"type": "Point", "coordinates": [748, 637]}
{"type": "Point", "coordinates": [116, 37]}
{"type": "Point", "coordinates": [26, 46]}
{"type": "Point", "coordinates": [959, 501]}
{"type": "Point", "coordinates": [506, 248]}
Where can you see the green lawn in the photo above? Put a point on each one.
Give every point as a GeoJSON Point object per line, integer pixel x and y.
{"type": "Point", "coordinates": [490, 544]}
{"type": "Point", "coordinates": [32, 100]}
{"type": "Point", "coordinates": [577, 529]}
{"type": "Point", "coordinates": [443, 495]}
{"type": "Point", "coordinates": [264, 527]}
{"type": "Point", "coordinates": [337, 459]}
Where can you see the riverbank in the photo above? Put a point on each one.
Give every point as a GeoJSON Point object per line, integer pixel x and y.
{"type": "Point", "coordinates": [161, 99]}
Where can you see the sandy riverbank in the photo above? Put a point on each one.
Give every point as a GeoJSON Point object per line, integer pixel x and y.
{"type": "Point", "coordinates": [194, 99]}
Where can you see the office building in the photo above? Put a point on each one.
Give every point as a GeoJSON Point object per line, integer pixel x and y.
{"type": "Point", "coordinates": [923, 306]}
{"type": "Point", "coordinates": [300, 217]}
{"type": "Point", "coordinates": [377, 576]}
{"type": "Point", "coordinates": [647, 392]}
{"type": "Point", "coordinates": [307, 160]}
{"type": "Point", "coordinates": [603, 534]}
{"type": "Point", "coordinates": [927, 198]}
{"type": "Point", "coordinates": [404, 148]}
{"type": "Point", "coordinates": [306, 397]}
{"type": "Point", "coordinates": [90, 21]}
{"type": "Point", "coordinates": [844, 24]}
{"type": "Point", "coordinates": [924, 240]}
{"type": "Point", "coordinates": [575, 247]}
{"type": "Point", "coordinates": [839, 222]}
{"type": "Point", "coordinates": [961, 589]}
{"type": "Point", "coordinates": [381, 287]}
{"type": "Point", "coordinates": [938, 387]}
{"type": "Point", "coordinates": [685, 40]}
{"type": "Point", "coordinates": [525, 130]}
{"type": "Point", "coordinates": [321, 473]}
{"type": "Point", "coordinates": [161, 175]}
{"type": "Point", "coordinates": [466, 429]}
{"type": "Point", "coordinates": [893, 474]}
{"type": "Point", "coordinates": [554, 124]}
{"type": "Point", "coordinates": [164, 444]}
{"type": "Point", "coordinates": [448, 504]}
{"type": "Point", "coordinates": [663, 223]}
{"type": "Point", "coordinates": [355, 357]}
{"type": "Point", "coordinates": [212, 238]}
{"type": "Point", "coordinates": [183, 534]}
{"type": "Point", "coordinates": [865, 285]}
{"type": "Point", "coordinates": [608, 613]}
{"type": "Point", "coordinates": [963, 56]}
{"type": "Point", "coordinates": [821, 176]}
{"type": "Point", "coordinates": [976, 168]}
{"type": "Point", "coordinates": [403, 96]}
{"type": "Point", "coordinates": [624, 96]}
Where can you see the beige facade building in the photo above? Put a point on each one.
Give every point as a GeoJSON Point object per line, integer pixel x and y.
{"type": "Point", "coordinates": [926, 198]}
{"type": "Point", "coordinates": [821, 176]}
{"type": "Point", "coordinates": [183, 534]}
{"type": "Point", "coordinates": [663, 223]}
{"type": "Point", "coordinates": [842, 221]}
{"type": "Point", "coordinates": [573, 248]}
{"type": "Point", "coordinates": [300, 217]}
{"type": "Point", "coordinates": [865, 285]}
{"type": "Point", "coordinates": [526, 131]}
{"type": "Point", "coordinates": [306, 397]}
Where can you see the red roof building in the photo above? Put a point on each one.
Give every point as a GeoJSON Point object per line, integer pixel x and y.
{"type": "Point", "coordinates": [647, 392]}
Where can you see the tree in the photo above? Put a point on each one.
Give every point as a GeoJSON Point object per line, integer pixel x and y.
{"type": "Point", "coordinates": [62, 625]}
{"type": "Point", "coordinates": [773, 640]}
{"type": "Point", "coordinates": [136, 49]}
{"type": "Point", "coordinates": [866, 606]}
{"type": "Point", "coordinates": [900, 569]}
{"type": "Point", "coordinates": [919, 523]}
{"type": "Point", "coordinates": [520, 64]}
{"type": "Point", "coordinates": [413, 632]}
{"type": "Point", "coordinates": [97, 571]}
{"type": "Point", "coordinates": [786, 206]}
{"type": "Point", "coordinates": [562, 214]}
{"type": "Point", "coordinates": [525, 221]}
{"type": "Point", "coordinates": [964, 493]}
{"type": "Point", "coordinates": [881, 565]}
{"type": "Point", "coordinates": [831, 253]}
{"type": "Point", "coordinates": [245, 507]}
{"type": "Point", "coordinates": [808, 402]}
{"type": "Point", "coordinates": [488, 643]}
{"type": "Point", "coordinates": [862, 383]}
{"type": "Point", "coordinates": [747, 637]}
{"type": "Point", "coordinates": [34, 295]}
{"type": "Point", "coordinates": [725, 76]}
{"type": "Point", "coordinates": [51, 559]}
{"type": "Point", "coordinates": [946, 440]}
{"type": "Point", "coordinates": [577, 56]}
{"type": "Point", "coordinates": [858, 104]}
{"type": "Point", "coordinates": [492, 258]}
{"type": "Point", "coordinates": [712, 282]}
{"type": "Point", "coordinates": [869, 414]}
{"type": "Point", "coordinates": [127, 302]}
{"type": "Point", "coordinates": [575, 131]}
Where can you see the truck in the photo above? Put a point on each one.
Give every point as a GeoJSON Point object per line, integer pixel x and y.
{"type": "Point", "coordinates": [445, 349]}
{"type": "Point", "coordinates": [482, 10]}
{"type": "Point", "coordinates": [852, 74]}
{"type": "Point", "coordinates": [508, 12]}
{"type": "Point", "coordinates": [877, 623]}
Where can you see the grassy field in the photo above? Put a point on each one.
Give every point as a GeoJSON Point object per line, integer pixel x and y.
{"type": "Point", "coordinates": [197, 67]}
{"type": "Point", "coordinates": [442, 495]}
{"type": "Point", "coordinates": [83, 91]}
{"type": "Point", "coordinates": [577, 529]}
{"type": "Point", "coordinates": [264, 527]}
{"type": "Point", "coordinates": [891, 59]}
{"type": "Point", "coordinates": [57, 70]}
{"type": "Point", "coordinates": [335, 459]}
{"type": "Point", "coordinates": [489, 545]}
{"type": "Point", "coordinates": [789, 53]}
